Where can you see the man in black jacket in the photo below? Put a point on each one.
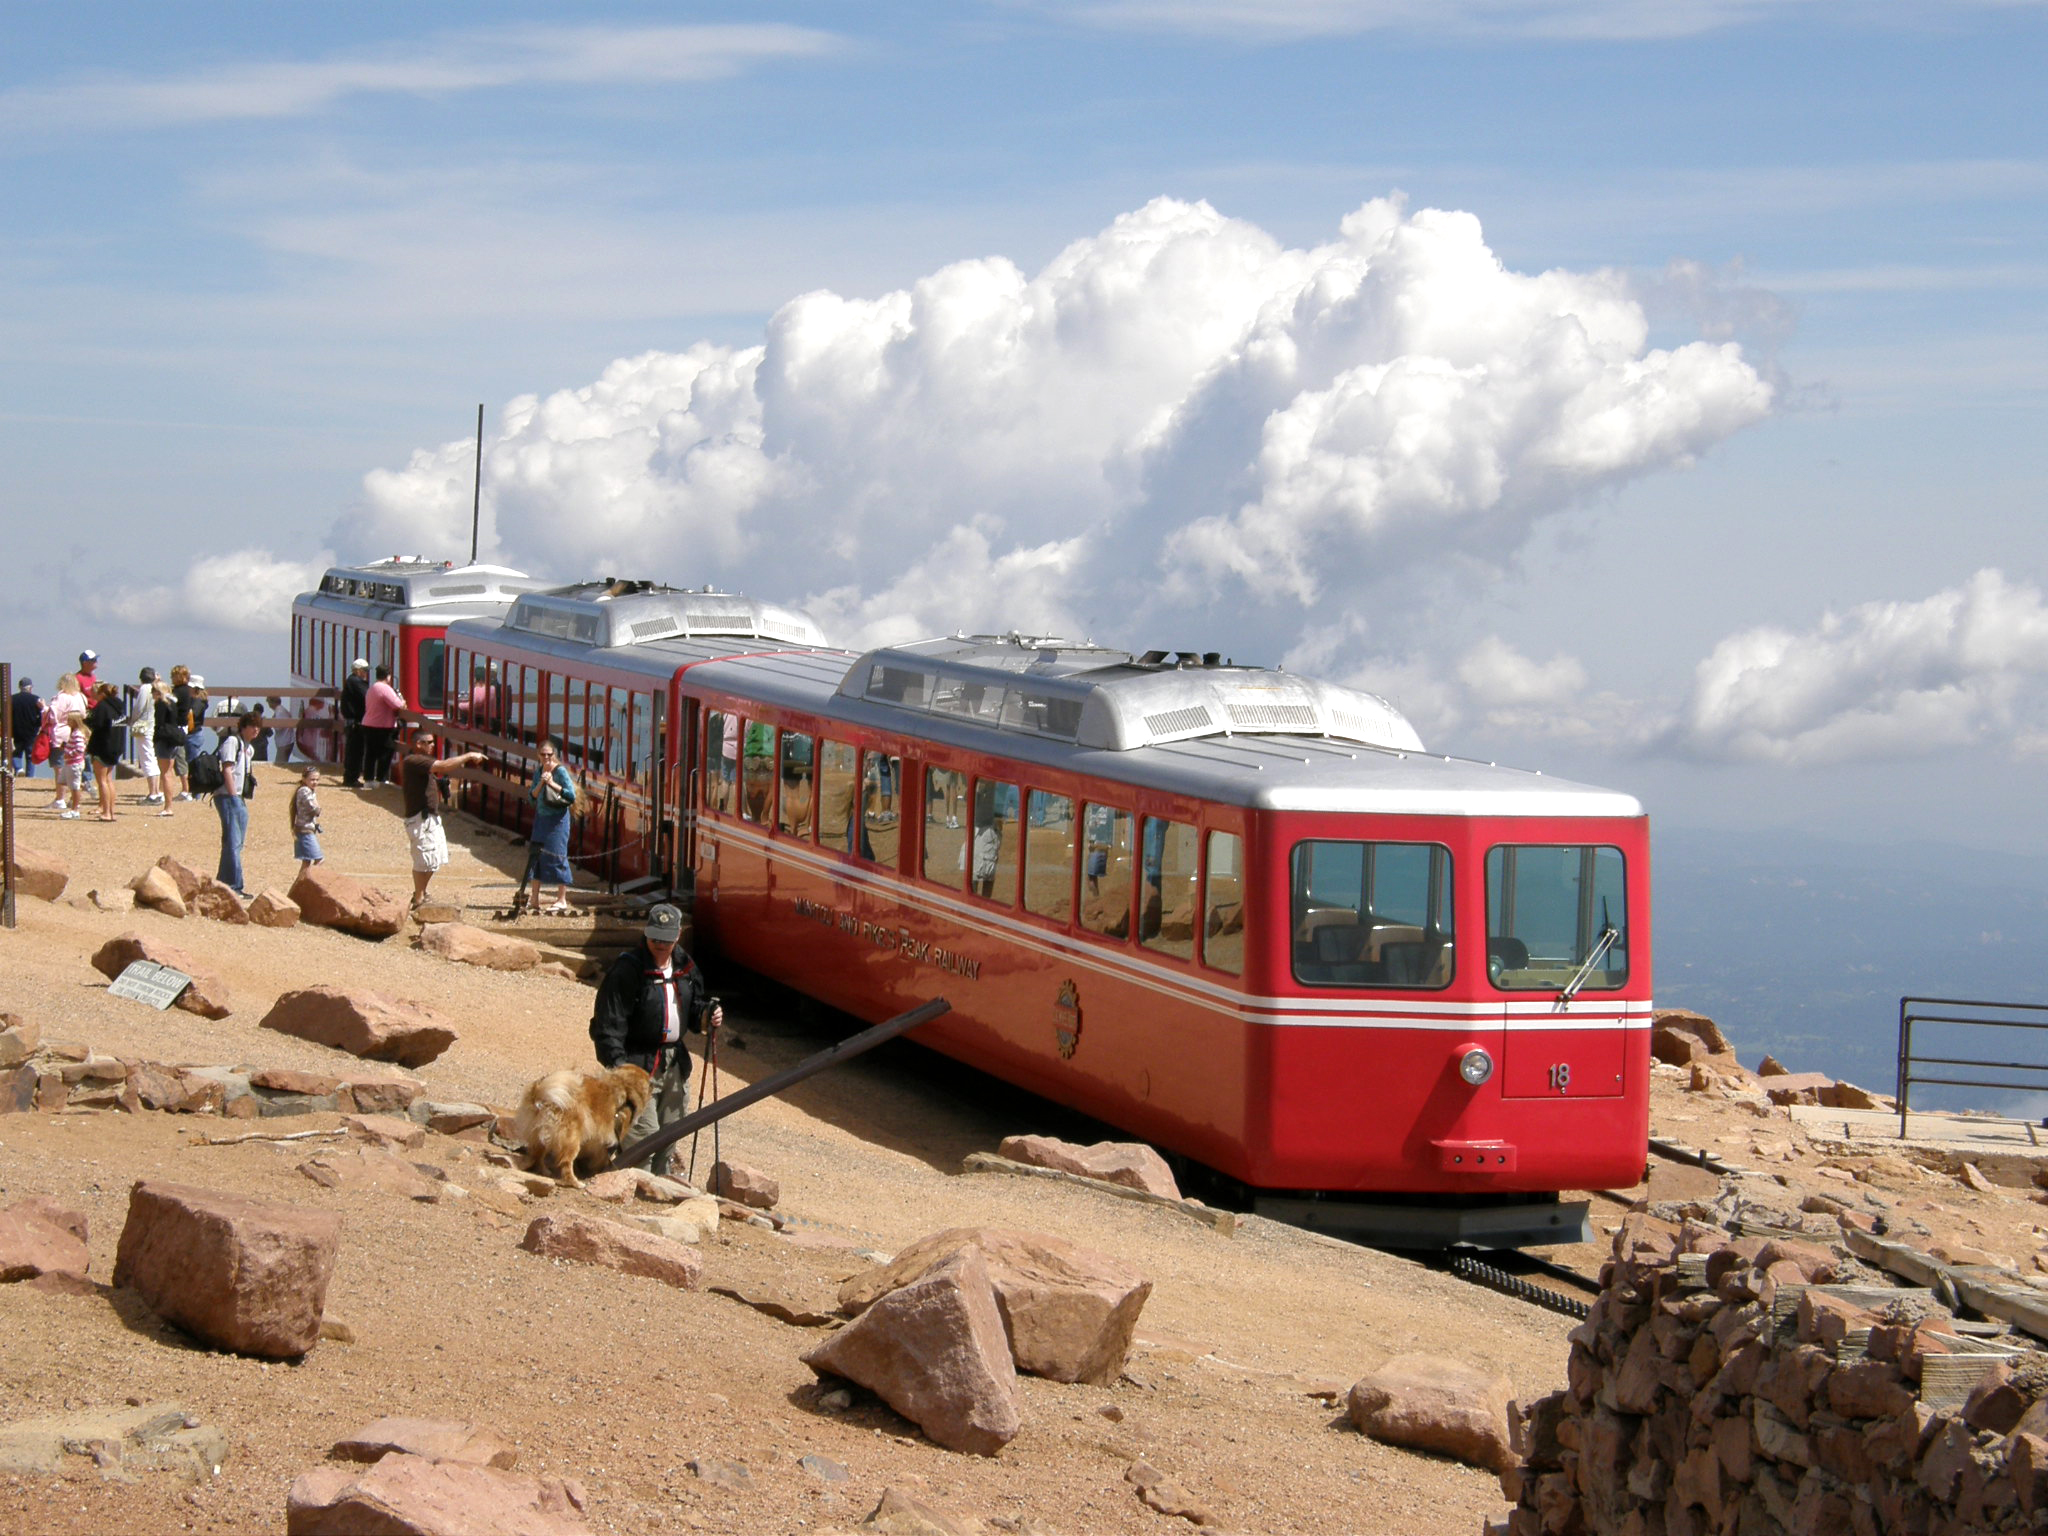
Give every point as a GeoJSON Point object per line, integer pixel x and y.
{"type": "Point", "coordinates": [25, 720]}
{"type": "Point", "coordinates": [355, 694]}
{"type": "Point", "coordinates": [651, 994]}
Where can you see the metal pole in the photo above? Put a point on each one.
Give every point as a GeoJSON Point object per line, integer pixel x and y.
{"type": "Point", "coordinates": [476, 496]}
{"type": "Point", "coordinates": [1905, 1060]}
{"type": "Point", "coordinates": [845, 1050]}
{"type": "Point", "coordinates": [6, 794]}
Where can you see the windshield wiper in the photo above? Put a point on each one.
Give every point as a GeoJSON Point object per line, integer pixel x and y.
{"type": "Point", "coordinates": [1608, 934]}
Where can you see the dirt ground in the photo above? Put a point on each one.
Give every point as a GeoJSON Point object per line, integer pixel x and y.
{"type": "Point", "coordinates": [620, 1382]}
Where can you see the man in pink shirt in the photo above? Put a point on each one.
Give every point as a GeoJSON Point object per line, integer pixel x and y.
{"type": "Point", "coordinates": [380, 724]}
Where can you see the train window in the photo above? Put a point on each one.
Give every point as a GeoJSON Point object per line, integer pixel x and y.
{"type": "Point", "coordinates": [945, 840]}
{"type": "Point", "coordinates": [618, 725]}
{"type": "Point", "coordinates": [1041, 714]}
{"type": "Point", "coordinates": [646, 749]}
{"type": "Point", "coordinates": [555, 711]}
{"type": "Point", "coordinates": [433, 679]}
{"type": "Point", "coordinates": [525, 703]}
{"type": "Point", "coordinates": [721, 760]}
{"type": "Point", "coordinates": [900, 686]}
{"type": "Point", "coordinates": [1556, 916]}
{"type": "Point", "coordinates": [838, 776]}
{"type": "Point", "coordinates": [1106, 871]}
{"type": "Point", "coordinates": [1372, 914]}
{"type": "Point", "coordinates": [793, 812]}
{"type": "Point", "coordinates": [977, 701]}
{"type": "Point", "coordinates": [881, 834]}
{"type": "Point", "coordinates": [757, 770]}
{"type": "Point", "coordinates": [1166, 905]}
{"type": "Point", "coordinates": [1049, 857]}
{"type": "Point", "coordinates": [1223, 904]}
{"type": "Point", "coordinates": [996, 838]}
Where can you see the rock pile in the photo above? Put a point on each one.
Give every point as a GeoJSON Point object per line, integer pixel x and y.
{"type": "Point", "coordinates": [1731, 1386]}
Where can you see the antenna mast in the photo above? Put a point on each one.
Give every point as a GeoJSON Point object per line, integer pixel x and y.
{"type": "Point", "coordinates": [476, 499]}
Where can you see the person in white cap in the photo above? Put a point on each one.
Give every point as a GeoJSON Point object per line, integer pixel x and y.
{"type": "Point", "coordinates": [355, 698]}
{"type": "Point", "coordinates": [649, 996]}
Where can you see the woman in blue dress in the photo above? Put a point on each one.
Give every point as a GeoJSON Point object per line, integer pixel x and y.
{"type": "Point", "coordinates": [553, 792]}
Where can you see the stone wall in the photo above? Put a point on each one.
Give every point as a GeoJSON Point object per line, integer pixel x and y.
{"type": "Point", "coordinates": [1756, 1385]}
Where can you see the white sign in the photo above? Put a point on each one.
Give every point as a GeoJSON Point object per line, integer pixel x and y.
{"type": "Point", "coordinates": [148, 982]}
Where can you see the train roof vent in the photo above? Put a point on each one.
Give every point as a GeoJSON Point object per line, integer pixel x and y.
{"type": "Point", "coordinates": [408, 581]}
{"type": "Point", "coordinates": [1112, 699]}
{"type": "Point", "coordinates": [618, 612]}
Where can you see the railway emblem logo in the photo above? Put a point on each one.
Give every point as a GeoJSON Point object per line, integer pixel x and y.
{"type": "Point", "coordinates": [1066, 1020]}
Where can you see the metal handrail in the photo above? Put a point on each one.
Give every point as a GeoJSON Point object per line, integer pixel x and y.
{"type": "Point", "coordinates": [1911, 1013]}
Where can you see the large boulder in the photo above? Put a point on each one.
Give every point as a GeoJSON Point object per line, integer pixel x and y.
{"type": "Point", "coordinates": [934, 1350]}
{"type": "Point", "coordinates": [244, 1275]}
{"type": "Point", "coordinates": [1068, 1311]}
{"type": "Point", "coordinates": [473, 946]}
{"type": "Point", "coordinates": [154, 888]}
{"type": "Point", "coordinates": [592, 1240]}
{"type": "Point", "coordinates": [41, 875]}
{"type": "Point", "coordinates": [330, 900]}
{"type": "Point", "coordinates": [1433, 1404]}
{"type": "Point", "coordinates": [208, 994]}
{"type": "Point", "coordinates": [1130, 1163]}
{"type": "Point", "coordinates": [413, 1496]}
{"type": "Point", "coordinates": [36, 1239]}
{"type": "Point", "coordinates": [434, 1439]}
{"type": "Point", "coordinates": [363, 1023]}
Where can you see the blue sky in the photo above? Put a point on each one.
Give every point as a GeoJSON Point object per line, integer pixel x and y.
{"type": "Point", "coordinates": [254, 254]}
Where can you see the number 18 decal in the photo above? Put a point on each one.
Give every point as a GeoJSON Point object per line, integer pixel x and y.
{"type": "Point", "coordinates": [1560, 1077]}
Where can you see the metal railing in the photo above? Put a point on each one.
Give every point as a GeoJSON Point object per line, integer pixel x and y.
{"type": "Point", "coordinates": [1914, 1011]}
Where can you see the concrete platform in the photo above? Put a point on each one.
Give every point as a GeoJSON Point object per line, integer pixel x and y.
{"type": "Point", "coordinates": [2009, 1152]}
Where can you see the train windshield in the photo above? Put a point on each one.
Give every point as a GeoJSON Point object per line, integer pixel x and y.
{"type": "Point", "coordinates": [1556, 916]}
{"type": "Point", "coordinates": [1372, 914]}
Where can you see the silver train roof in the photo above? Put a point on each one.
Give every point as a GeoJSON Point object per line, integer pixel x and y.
{"type": "Point", "coordinates": [610, 613]}
{"type": "Point", "coordinates": [410, 581]}
{"type": "Point", "coordinates": [1086, 710]}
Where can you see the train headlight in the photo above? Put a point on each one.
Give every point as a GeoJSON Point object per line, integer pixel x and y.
{"type": "Point", "coordinates": [1475, 1066]}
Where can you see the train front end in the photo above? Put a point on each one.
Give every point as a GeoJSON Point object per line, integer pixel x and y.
{"type": "Point", "coordinates": [1457, 1004]}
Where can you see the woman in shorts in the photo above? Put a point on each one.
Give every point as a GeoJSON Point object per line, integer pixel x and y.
{"type": "Point", "coordinates": [106, 733]}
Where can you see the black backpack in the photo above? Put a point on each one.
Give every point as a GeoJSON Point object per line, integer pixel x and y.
{"type": "Point", "coordinates": [205, 774]}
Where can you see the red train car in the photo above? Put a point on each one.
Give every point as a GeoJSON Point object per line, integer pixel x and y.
{"type": "Point", "coordinates": [1239, 912]}
{"type": "Point", "coordinates": [394, 613]}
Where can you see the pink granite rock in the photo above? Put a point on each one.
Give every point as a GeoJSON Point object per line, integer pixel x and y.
{"type": "Point", "coordinates": [474, 946]}
{"type": "Point", "coordinates": [1069, 1312]}
{"type": "Point", "coordinates": [32, 1244]}
{"type": "Point", "coordinates": [434, 1439]}
{"type": "Point", "coordinates": [1434, 1404]}
{"type": "Point", "coordinates": [330, 900]}
{"type": "Point", "coordinates": [935, 1351]}
{"type": "Point", "coordinates": [591, 1240]}
{"type": "Point", "coordinates": [1130, 1163]}
{"type": "Point", "coordinates": [362, 1023]}
{"type": "Point", "coordinates": [41, 875]}
{"type": "Point", "coordinates": [244, 1275]}
{"type": "Point", "coordinates": [405, 1495]}
{"type": "Point", "coordinates": [208, 994]}
{"type": "Point", "coordinates": [274, 909]}
{"type": "Point", "coordinates": [749, 1186]}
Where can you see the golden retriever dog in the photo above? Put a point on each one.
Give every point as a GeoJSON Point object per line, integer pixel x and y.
{"type": "Point", "coordinates": [572, 1118]}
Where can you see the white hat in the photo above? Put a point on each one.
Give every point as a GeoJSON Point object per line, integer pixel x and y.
{"type": "Point", "coordinates": [197, 681]}
{"type": "Point", "coordinates": [358, 662]}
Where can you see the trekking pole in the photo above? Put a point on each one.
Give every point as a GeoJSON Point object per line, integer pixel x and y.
{"type": "Point", "coordinates": [711, 1071]}
{"type": "Point", "coordinates": [703, 1088]}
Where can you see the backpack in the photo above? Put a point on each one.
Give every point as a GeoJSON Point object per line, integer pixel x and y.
{"type": "Point", "coordinates": [204, 773]}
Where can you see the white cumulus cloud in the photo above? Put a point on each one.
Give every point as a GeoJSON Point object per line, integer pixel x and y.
{"type": "Point", "coordinates": [1180, 430]}
{"type": "Point", "coordinates": [1967, 666]}
{"type": "Point", "coordinates": [245, 589]}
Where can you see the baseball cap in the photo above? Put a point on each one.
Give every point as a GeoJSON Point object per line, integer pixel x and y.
{"type": "Point", "coordinates": [146, 675]}
{"type": "Point", "coordinates": [87, 656]}
{"type": "Point", "coordinates": [664, 924]}
{"type": "Point", "coordinates": [28, 682]}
